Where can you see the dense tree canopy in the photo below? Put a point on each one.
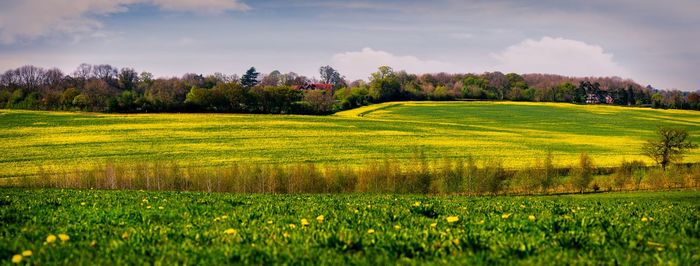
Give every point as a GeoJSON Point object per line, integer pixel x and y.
{"type": "Point", "coordinates": [105, 88]}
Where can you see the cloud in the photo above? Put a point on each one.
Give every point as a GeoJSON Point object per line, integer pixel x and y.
{"type": "Point", "coordinates": [359, 65]}
{"type": "Point", "coordinates": [558, 56]}
{"type": "Point", "coordinates": [30, 19]}
{"type": "Point", "coordinates": [209, 6]}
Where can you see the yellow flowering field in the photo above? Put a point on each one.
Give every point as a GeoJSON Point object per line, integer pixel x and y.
{"type": "Point", "coordinates": [516, 133]}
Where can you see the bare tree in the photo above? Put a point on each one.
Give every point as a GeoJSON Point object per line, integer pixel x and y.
{"type": "Point", "coordinates": [104, 72]}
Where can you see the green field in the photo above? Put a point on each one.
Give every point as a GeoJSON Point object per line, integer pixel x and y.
{"type": "Point", "coordinates": [517, 133]}
{"type": "Point", "coordinates": [133, 227]}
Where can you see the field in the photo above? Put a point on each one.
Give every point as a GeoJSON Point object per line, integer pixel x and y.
{"type": "Point", "coordinates": [516, 133]}
{"type": "Point", "coordinates": [135, 227]}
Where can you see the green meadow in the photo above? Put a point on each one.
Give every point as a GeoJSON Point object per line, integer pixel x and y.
{"type": "Point", "coordinates": [78, 227]}
{"type": "Point", "coordinates": [516, 133]}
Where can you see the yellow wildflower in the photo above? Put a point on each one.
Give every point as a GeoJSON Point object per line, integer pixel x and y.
{"type": "Point", "coordinates": [292, 226]}
{"type": "Point", "coordinates": [481, 222]}
{"type": "Point", "coordinates": [397, 227]}
{"type": "Point", "coordinates": [531, 218]}
{"type": "Point", "coordinates": [161, 207]}
{"type": "Point", "coordinates": [51, 238]}
{"type": "Point", "coordinates": [433, 225]}
{"type": "Point", "coordinates": [320, 219]}
{"type": "Point", "coordinates": [269, 222]}
{"type": "Point", "coordinates": [505, 216]}
{"type": "Point", "coordinates": [125, 235]}
{"type": "Point", "coordinates": [82, 204]}
{"type": "Point", "coordinates": [452, 219]}
{"type": "Point", "coordinates": [370, 231]}
{"type": "Point", "coordinates": [285, 235]}
{"type": "Point", "coordinates": [230, 231]}
{"type": "Point", "coordinates": [17, 258]}
{"type": "Point", "coordinates": [416, 204]}
{"type": "Point", "coordinates": [645, 219]}
{"type": "Point", "coordinates": [304, 222]}
{"type": "Point", "coordinates": [27, 253]}
{"type": "Point", "coordinates": [148, 207]}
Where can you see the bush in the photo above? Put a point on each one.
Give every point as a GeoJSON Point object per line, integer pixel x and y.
{"type": "Point", "coordinates": [625, 174]}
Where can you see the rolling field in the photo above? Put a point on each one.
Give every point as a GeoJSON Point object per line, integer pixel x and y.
{"type": "Point", "coordinates": [517, 133]}
{"type": "Point", "coordinates": [79, 227]}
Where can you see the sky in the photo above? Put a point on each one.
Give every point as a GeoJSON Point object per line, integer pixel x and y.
{"type": "Point", "coordinates": [652, 42]}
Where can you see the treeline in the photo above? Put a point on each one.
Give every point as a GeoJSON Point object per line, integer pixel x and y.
{"type": "Point", "coordinates": [447, 176]}
{"type": "Point", "coordinates": [104, 88]}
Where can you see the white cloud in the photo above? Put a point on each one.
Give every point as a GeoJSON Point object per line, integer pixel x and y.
{"type": "Point", "coordinates": [30, 19]}
{"type": "Point", "coordinates": [359, 65]}
{"type": "Point", "coordinates": [558, 56]}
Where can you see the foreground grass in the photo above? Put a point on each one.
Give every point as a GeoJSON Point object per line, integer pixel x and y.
{"type": "Point", "coordinates": [133, 227]}
{"type": "Point", "coordinates": [517, 133]}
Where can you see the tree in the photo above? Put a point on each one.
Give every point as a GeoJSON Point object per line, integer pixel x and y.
{"type": "Point", "coordinates": [383, 85]}
{"type": "Point", "coordinates": [669, 146]}
{"type": "Point", "coordinates": [319, 101]}
{"type": "Point", "coordinates": [584, 173]}
{"type": "Point", "coordinates": [128, 78]}
{"type": "Point", "coordinates": [250, 79]}
{"type": "Point", "coordinates": [272, 79]}
{"type": "Point", "coordinates": [331, 76]}
{"type": "Point", "coordinates": [548, 172]}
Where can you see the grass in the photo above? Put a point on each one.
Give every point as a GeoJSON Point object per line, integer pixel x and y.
{"type": "Point", "coordinates": [136, 227]}
{"type": "Point", "coordinates": [516, 133]}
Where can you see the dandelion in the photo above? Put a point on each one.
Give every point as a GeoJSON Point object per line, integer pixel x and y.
{"type": "Point", "coordinates": [433, 225]}
{"type": "Point", "coordinates": [161, 207]}
{"type": "Point", "coordinates": [416, 204]}
{"type": "Point", "coordinates": [292, 226]}
{"type": "Point", "coordinates": [505, 216]}
{"type": "Point", "coordinates": [304, 222]}
{"type": "Point", "coordinates": [230, 231]}
{"type": "Point", "coordinates": [452, 219]}
{"type": "Point", "coordinates": [269, 221]}
{"type": "Point", "coordinates": [370, 231]}
{"type": "Point", "coordinates": [320, 219]}
{"type": "Point", "coordinates": [148, 207]}
{"type": "Point", "coordinates": [531, 218]}
{"type": "Point", "coordinates": [63, 237]}
{"type": "Point", "coordinates": [17, 258]}
{"type": "Point", "coordinates": [51, 238]}
{"type": "Point", "coordinates": [27, 253]}
{"type": "Point", "coordinates": [285, 235]}
{"type": "Point", "coordinates": [645, 219]}
{"type": "Point", "coordinates": [125, 235]}
{"type": "Point", "coordinates": [397, 227]}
